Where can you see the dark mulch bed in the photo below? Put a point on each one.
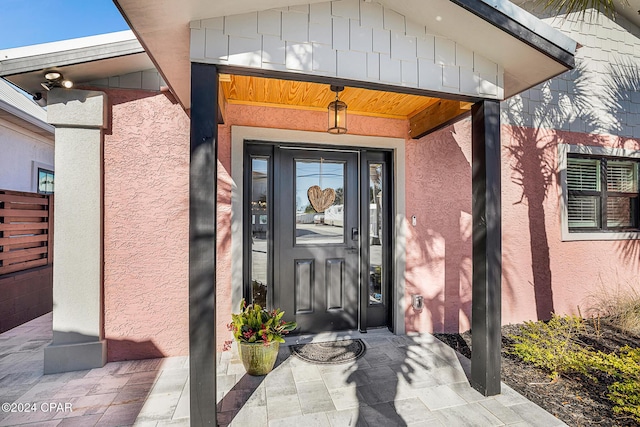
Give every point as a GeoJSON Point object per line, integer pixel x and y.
{"type": "Point", "coordinates": [576, 400]}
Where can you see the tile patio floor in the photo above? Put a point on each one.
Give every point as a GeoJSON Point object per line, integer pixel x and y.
{"type": "Point", "coordinates": [401, 380]}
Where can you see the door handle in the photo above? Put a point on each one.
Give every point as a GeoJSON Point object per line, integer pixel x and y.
{"type": "Point", "coordinates": [354, 234]}
{"type": "Point", "coordinates": [352, 250]}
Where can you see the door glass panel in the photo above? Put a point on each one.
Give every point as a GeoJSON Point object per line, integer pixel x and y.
{"type": "Point", "coordinates": [259, 229]}
{"type": "Point", "coordinates": [375, 234]}
{"type": "Point", "coordinates": [319, 201]}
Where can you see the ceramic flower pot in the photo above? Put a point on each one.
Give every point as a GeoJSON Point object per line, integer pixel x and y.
{"type": "Point", "coordinates": [257, 358]}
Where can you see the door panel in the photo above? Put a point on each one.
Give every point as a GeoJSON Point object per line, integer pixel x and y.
{"type": "Point", "coordinates": [304, 286]}
{"type": "Point", "coordinates": [335, 284]}
{"type": "Point", "coordinates": [317, 271]}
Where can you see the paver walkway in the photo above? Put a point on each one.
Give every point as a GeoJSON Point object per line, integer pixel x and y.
{"type": "Point", "coordinates": [401, 380]}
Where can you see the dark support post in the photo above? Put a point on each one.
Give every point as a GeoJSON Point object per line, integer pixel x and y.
{"type": "Point", "coordinates": [202, 244]}
{"type": "Point", "coordinates": [487, 248]}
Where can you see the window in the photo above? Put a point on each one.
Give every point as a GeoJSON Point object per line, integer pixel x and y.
{"type": "Point", "coordinates": [45, 181]}
{"type": "Point", "coordinates": [601, 193]}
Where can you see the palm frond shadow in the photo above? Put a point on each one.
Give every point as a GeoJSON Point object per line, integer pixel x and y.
{"type": "Point", "coordinates": [533, 154]}
{"type": "Point", "coordinates": [622, 88]}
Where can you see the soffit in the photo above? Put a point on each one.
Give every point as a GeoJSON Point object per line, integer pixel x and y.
{"type": "Point", "coordinates": [523, 65]}
{"type": "Point", "coordinates": [84, 72]}
{"type": "Point", "coordinates": [252, 90]}
{"type": "Point", "coordinates": [630, 9]}
{"type": "Point", "coordinates": [79, 60]}
{"type": "Point", "coordinates": [162, 26]}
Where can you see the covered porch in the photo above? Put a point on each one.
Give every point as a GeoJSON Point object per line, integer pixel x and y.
{"type": "Point", "coordinates": [429, 66]}
{"type": "Point", "coordinates": [449, 91]}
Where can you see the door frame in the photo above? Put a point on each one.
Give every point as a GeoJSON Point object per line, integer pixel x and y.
{"type": "Point", "coordinates": [398, 223]}
{"type": "Point", "coordinates": [289, 251]}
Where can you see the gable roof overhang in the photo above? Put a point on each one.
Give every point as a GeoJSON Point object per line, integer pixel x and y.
{"type": "Point", "coordinates": [528, 50]}
{"type": "Point", "coordinates": [79, 60]}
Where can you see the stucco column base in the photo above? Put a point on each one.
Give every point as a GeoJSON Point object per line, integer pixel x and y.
{"type": "Point", "coordinates": [74, 357]}
{"type": "Point", "coordinates": [79, 117]}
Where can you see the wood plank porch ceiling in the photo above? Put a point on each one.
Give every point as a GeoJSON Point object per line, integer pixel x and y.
{"type": "Point", "coordinates": [252, 90]}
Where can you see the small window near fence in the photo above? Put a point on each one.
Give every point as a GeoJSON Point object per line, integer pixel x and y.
{"type": "Point", "coordinates": [45, 181]}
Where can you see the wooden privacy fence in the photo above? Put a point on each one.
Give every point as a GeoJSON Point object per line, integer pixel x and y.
{"type": "Point", "coordinates": [26, 231]}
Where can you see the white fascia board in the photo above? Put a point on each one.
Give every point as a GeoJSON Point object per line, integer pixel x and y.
{"type": "Point", "coordinates": [68, 52]}
{"type": "Point", "coordinates": [65, 45]}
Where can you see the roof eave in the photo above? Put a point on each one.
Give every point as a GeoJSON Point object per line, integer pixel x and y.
{"type": "Point", "coordinates": [25, 117]}
{"type": "Point", "coordinates": [524, 27]}
{"type": "Point", "coordinates": [21, 65]}
{"type": "Point", "coordinates": [80, 60]}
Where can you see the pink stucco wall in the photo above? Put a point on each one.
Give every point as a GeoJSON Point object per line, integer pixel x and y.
{"type": "Point", "coordinates": [146, 166]}
{"type": "Point", "coordinates": [146, 221]}
{"type": "Point", "coordinates": [146, 226]}
{"type": "Point", "coordinates": [438, 258]}
{"type": "Point", "coordinates": [541, 274]}
{"type": "Point", "coordinates": [313, 121]}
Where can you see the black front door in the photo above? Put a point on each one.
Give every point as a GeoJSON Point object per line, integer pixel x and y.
{"type": "Point", "coordinates": [317, 239]}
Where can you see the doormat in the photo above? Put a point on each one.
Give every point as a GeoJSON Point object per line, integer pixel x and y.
{"type": "Point", "coordinates": [329, 353]}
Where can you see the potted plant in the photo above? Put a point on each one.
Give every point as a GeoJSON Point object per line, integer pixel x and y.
{"type": "Point", "coordinates": [259, 333]}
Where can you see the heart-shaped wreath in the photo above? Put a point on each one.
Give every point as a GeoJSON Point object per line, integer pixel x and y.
{"type": "Point", "coordinates": [321, 199]}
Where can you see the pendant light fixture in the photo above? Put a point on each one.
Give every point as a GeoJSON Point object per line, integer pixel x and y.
{"type": "Point", "coordinates": [337, 113]}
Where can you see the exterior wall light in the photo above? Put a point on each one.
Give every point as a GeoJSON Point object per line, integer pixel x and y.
{"type": "Point", "coordinates": [55, 79]}
{"type": "Point", "coordinates": [337, 113]}
{"type": "Point", "coordinates": [52, 75]}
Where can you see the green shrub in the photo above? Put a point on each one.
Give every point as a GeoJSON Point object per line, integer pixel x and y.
{"type": "Point", "coordinates": [554, 347]}
{"type": "Point", "coordinates": [624, 367]}
{"type": "Point", "coordinates": [626, 398]}
{"type": "Point", "coordinates": [551, 345]}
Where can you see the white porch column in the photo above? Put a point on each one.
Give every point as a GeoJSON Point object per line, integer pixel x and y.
{"type": "Point", "coordinates": [78, 334]}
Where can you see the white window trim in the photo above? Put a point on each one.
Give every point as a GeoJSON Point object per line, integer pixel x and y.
{"type": "Point", "coordinates": [563, 151]}
{"type": "Point", "coordinates": [34, 173]}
